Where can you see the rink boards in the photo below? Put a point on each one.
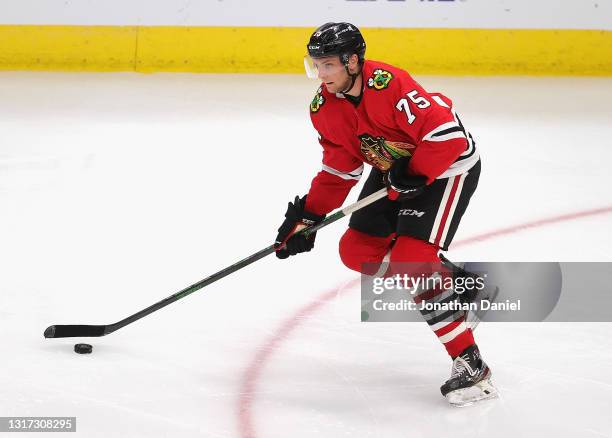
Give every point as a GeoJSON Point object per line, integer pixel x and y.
{"type": "Point", "coordinates": [272, 49]}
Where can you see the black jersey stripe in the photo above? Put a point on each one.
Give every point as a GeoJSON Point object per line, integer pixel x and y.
{"type": "Point", "coordinates": [449, 131]}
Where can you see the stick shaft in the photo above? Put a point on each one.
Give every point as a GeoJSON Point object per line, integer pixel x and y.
{"type": "Point", "coordinates": [67, 331]}
{"type": "Point", "coordinates": [248, 260]}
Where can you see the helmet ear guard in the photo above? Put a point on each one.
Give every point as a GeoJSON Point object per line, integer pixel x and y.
{"type": "Point", "coordinates": [345, 58]}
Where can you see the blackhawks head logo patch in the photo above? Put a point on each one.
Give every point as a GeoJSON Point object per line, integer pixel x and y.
{"type": "Point", "coordinates": [380, 79]}
{"type": "Point", "coordinates": [317, 101]}
{"type": "Point", "coordinates": [382, 153]}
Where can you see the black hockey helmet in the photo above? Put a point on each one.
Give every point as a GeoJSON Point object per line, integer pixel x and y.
{"type": "Point", "coordinates": [337, 39]}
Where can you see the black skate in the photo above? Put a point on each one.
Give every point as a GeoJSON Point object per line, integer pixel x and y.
{"type": "Point", "coordinates": [470, 380]}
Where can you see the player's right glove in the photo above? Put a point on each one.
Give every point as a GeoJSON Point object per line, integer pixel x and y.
{"type": "Point", "coordinates": [288, 241]}
{"type": "Point", "coordinates": [400, 184]}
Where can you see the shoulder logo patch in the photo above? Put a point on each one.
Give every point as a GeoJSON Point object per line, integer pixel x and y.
{"type": "Point", "coordinates": [317, 101]}
{"type": "Point", "coordinates": [380, 79]}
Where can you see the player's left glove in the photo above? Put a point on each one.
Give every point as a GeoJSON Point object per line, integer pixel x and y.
{"type": "Point", "coordinates": [289, 241]}
{"type": "Point", "coordinates": [401, 185]}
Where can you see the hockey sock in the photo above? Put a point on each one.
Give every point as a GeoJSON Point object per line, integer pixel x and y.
{"type": "Point", "coordinates": [410, 254]}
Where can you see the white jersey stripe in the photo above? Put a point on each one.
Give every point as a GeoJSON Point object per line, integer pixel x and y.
{"type": "Point", "coordinates": [353, 174]}
{"type": "Point", "coordinates": [441, 208]}
{"type": "Point", "coordinates": [451, 212]}
{"type": "Point", "coordinates": [431, 136]}
{"type": "Point", "coordinates": [470, 147]}
{"type": "Point", "coordinates": [461, 166]}
{"type": "Point", "coordinates": [450, 136]}
{"type": "Point", "coordinates": [439, 101]}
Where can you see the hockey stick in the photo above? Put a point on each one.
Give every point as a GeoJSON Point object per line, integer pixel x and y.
{"type": "Point", "coordinates": [70, 331]}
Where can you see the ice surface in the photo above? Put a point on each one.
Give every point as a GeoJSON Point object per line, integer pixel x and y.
{"type": "Point", "coordinates": [117, 190]}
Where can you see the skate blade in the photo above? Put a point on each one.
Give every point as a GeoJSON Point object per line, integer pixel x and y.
{"type": "Point", "coordinates": [483, 390]}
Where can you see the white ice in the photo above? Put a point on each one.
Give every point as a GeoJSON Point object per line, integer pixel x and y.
{"type": "Point", "coordinates": [117, 190]}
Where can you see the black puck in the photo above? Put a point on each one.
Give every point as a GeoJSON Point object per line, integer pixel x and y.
{"type": "Point", "coordinates": [83, 348]}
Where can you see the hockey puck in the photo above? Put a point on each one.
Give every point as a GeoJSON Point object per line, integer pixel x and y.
{"type": "Point", "coordinates": [83, 348]}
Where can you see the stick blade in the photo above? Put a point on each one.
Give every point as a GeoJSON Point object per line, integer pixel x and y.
{"type": "Point", "coordinates": [75, 331]}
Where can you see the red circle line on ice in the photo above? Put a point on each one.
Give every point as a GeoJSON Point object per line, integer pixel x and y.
{"type": "Point", "coordinates": [252, 373]}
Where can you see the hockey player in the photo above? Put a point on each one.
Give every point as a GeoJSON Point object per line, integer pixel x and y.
{"type": "Point", "coordinates": [369, 112]}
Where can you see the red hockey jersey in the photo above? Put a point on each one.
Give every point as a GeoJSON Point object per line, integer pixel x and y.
{"type": "Point", "coordinates": [396, 117]}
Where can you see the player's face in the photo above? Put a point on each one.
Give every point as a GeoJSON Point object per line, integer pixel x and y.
{"type": "Point", "coordinates": [332, 73]}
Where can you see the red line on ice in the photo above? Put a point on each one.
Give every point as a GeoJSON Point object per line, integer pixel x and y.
{"type": "Point", "coordinates": [535, 224]}
{"type": "Point", "coordinates": [253, 372]}
{"type": "Point", "coordinates": [250, 378]}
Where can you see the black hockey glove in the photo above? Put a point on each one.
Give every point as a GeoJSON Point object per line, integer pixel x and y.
{"type": "Point", "coordinates": [289, 243]}
{"type": "Point", "coordinates": [400, 185]}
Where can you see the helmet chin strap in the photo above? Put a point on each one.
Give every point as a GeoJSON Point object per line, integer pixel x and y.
{"type": "Point", "coordinates": [353, 78]}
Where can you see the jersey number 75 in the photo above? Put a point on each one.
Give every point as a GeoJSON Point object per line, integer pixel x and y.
{"type": "Point", "coordinates": [419, 101]}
